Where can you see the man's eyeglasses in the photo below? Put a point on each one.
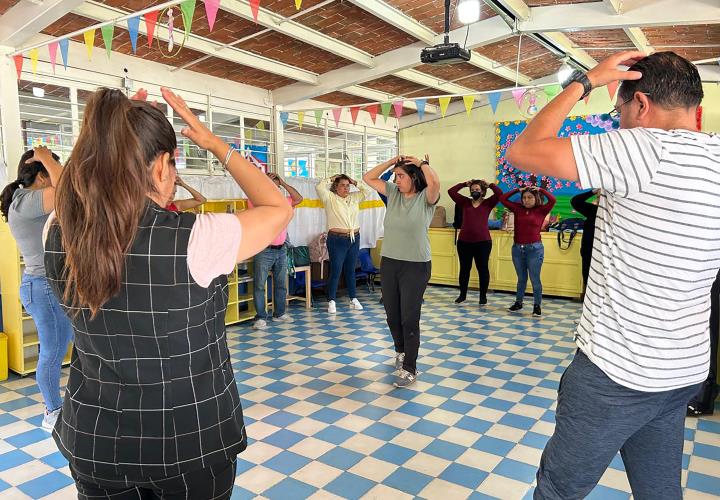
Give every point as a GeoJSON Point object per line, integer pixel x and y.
{"type": "Point", "coordinates": [615, 113]}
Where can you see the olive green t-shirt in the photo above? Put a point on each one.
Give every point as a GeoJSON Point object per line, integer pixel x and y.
{"type": "Point", "coordinates": [406, 225]}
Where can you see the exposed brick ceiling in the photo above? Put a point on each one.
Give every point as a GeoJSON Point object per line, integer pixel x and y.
{"type": "Point", "coordinates": [432, 12]}
{"type": "Point", "coordinates": [351, 24]}
{"type": "Point", "coordinates": [595, 43]}
{"type": "Point", "coordinates": [675, 37]}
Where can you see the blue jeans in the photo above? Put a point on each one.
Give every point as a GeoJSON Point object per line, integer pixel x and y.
{"type": "Point", "coordinates": [267, 260]}
{"type": "Point", "coordinates": [528, 259]}
{"type": "Point", "coordinates": [595, 418]}
{"type": "Point", "coordinates": [343, 258]}
{"type": "Point", "coordinates": [55, 332]}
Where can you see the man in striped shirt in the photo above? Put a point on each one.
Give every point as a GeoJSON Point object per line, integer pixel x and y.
{"type": "Point", "coordinates": [643, 339]}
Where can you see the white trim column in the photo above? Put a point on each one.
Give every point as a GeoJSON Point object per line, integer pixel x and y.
{"type": "Point", "coordinates": [10, 114]}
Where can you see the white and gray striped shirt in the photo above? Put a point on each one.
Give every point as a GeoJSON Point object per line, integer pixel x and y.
{"type": "Point", "coordinates": [655, 256]}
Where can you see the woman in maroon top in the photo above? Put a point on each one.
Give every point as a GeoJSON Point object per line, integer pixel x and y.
{"type": "Point", "coordinates": [474, 241]}
{"type": "Point", "coordinates": [528, 251]}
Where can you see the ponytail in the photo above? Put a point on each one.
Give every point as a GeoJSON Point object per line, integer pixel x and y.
{"type": "Point", "coordinates": [102, 193]}
{"type": "Point", "coordinates": [27, 173]}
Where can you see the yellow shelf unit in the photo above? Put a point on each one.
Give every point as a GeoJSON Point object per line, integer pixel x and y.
{"type": "Point", "coordinates": [23, 343]}
{"type": "Point", "coordinates": [240, 282]}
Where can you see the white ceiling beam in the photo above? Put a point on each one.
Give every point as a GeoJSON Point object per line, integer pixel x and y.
{"type": "Point", "coordinates": [397, 19]}
{"type": "Point", "coordinates": [595, 16]}
{"type": "Point", "coordinates": [298, 31]}
{"type": "Point", "coordinates": [102, 13]}
{"type": "Point", "coordinates": [431, 81]}
{"type": "Point", "coordinates": [481, 33]}
{"type": "Point", "coordinates": [615, 6]}
{"type": "Point", "coordinates": [566, 45]}
{"type": "Point", "coordinates": [639, 39]}
{"type": "Point", "coordinates": [373, 95]}
{"type": "Point", "coordinates": [709, 72]}
{"type": "Point", "coordinates": [28, 18]}
{"type": "Point", "coordinates": [517, 8]}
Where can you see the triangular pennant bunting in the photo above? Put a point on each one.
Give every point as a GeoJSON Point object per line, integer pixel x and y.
{"type": "Point", "coordinates": [89, 37]}
{"type": "Point", "coordinates": [260, 125]}
{"type": "Point", "coordinates": [52, 50]}
{"type": "Point", "coordinates": [398, 107]}
{"type": "Point", "coordinates": [133, 27]}
{"type": "Point", "coordinates": [150, 22]}
{"type": "Point", "coordinates": [494, 100]}
{"type": "Point", "coordinates": [612, 88]}
{"type": "Point", "coordinates": [298, 4]}
{"type": "Point", "coordinates": [385, 109]}
{"type": "Point", "coordinates": [34, 54]}
{"type": "Point", "coordinates": [188, 11]}
{"type": "Point", "coordinates": [354, 111]}
{"type": "Point", "coordinates": [301, 117]}
{"type": "Point", "coordinates": [18, 58]}
{"type": "Point", "coordinates": [64, 46]}
{"type": "Point", "coordinates": [518, 95]}
{"type": "Point", "coordinates": [444, 103]}
{"type": "Point", "coordinates": [284, 117]}
{"type": "Point", "coordinates": [107, 35]}
{"type": "Point", "coordinates": [255, 8]}
{"type": "Point", "coordinates": [211, 8]}
{"type": "Point", "coordinates": [372, 110]}
{"type": "Point", "coordinates": [420, 105]}
{"type": "Point", "coordinates": [552, 90]}
{"type": "Point", "coordinates": [468, 100]}
{"type": "Point", "coordinates": [318, 116]}
{"type": "Point", "coordinates": [336, 112]}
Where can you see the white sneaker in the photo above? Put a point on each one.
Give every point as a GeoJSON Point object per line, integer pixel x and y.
{"type": "Point", "coordinates": [260, 324]}
{"type": "Point", "coordinates": [404, 378]}
{"type": "Point", "coordinates": [331, 307]}
{"type": "Point", "coordinates": [285, 318]}
{"type": "Point", "coordinates": [355, 304]}
{"type": "Point", "coordinates": [49, 419]}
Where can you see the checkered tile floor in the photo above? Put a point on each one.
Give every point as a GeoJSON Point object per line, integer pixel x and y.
{"type": "Point", "coordinates": [324, 421]}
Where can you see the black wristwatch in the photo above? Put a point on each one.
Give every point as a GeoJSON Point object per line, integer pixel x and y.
{"type": "Point", "coordinates": [424, 162]}
{"type": "Point", "coordinates": [580, 77]}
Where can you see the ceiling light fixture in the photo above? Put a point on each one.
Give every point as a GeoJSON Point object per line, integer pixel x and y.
{"type": "Point", "coordinates": [468, 11]}
{"type": "Point", "coordinates": [38, 92]}
{"type": "Point", "coordinates": [565, 71]}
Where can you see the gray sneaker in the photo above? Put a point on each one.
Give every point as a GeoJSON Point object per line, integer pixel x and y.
{"type": "Point", "coordinates": [404, 379]}
{"type": "Point", "coordinates": [399, 358]}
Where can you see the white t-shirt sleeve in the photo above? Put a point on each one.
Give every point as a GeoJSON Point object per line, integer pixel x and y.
{"type": "Point", "coordinates": [213, 247]}
{"type": "Point", "coordinates": [621, 162]}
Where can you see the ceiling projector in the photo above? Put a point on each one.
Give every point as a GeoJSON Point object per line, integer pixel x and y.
{"type": "Point", "coordinates": [444, 53]}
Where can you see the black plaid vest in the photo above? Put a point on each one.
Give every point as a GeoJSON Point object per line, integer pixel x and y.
{"type": "Point", "coordinates": [151, 391]}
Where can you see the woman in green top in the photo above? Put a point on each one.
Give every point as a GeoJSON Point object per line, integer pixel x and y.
{"type": "Point", "coordinates": [405, 267]}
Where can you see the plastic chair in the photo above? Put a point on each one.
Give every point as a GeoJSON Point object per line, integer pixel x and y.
{"type": "Point", "coordinates": [368, 271]}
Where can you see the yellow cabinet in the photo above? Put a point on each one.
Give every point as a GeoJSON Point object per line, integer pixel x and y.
{"type": "Point", "coordinates": [561, 272]}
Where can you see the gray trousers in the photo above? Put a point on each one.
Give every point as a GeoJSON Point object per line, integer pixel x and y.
{"type": "Point", "coordinates": [595, 418]}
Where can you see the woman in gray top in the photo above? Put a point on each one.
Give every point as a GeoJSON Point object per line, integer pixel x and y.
{"type": "Point", "coordinates": [405, 267]}
{"type": "Point", "coordinates": [25, 205]}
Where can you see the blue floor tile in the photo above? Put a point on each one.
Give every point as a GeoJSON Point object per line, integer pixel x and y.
{"type": "Point", "coordinates": [407, 480]}
{"type": "Point", "coordinates": [444, 449]}
{"type": "Point", "coordinates": [349, 486]}
{"type": "Point", "coordinates": [393, 453]}
{"type": "Point", "coordinates": [334, 435]}
{"type": "Point", "coordinates": [44, 485]}
{"type": "Point", "coordinates": [493, 445]}
{"type": "Point", "coordinates": [290, 488]}
{"type": "Point", "coordinates": [341, 458]}
{"type": "Point", "coordinates": [13, 459]}
{"type": "Point", "coordinates": [464, 475]}
{"type": "Point", "coordinates": [381, 431]}
{"type": "Point", "coordinates": [516, 470]}
{"type": "Point", "coordinates": [287, 462]}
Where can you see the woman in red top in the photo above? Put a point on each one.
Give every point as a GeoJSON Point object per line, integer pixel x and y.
{"type": "Point", "coordinates": [528, 251]}
{"type": "Point", "coordinates": [474, 241]}
{"type": "Point", "coordinates": [182, 205]}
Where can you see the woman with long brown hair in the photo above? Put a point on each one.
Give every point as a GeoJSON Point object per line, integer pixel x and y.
{"type": "Point", "coordinates": [25, 204]}
{"type": "Point", "coordinates": [528, 252]}
{"type": "Point", "coordinates": [152, 408]}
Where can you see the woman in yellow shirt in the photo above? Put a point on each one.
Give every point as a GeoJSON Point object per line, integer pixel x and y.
{"type": "Point", "coordinates": [342, 209]}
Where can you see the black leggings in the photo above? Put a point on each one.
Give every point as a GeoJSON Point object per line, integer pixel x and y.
{"type": "Point", "coordinates": [705, 398]}
{"type": "Point", "coordinates": [213, 482]}
{"type": "Point", "coordinates": [403, 286]}
{"type": "Point", "coordinates": [480, 252]}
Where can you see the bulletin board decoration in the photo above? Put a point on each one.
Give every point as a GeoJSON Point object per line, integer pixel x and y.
{"type": "Point", "coordinates": [509, 178]}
